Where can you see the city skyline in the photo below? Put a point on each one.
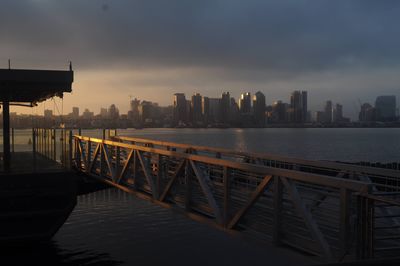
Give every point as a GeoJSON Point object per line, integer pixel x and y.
{"type": "Point", "coordinates": [338, 51]}
{"type": "Point", "coordinates": [224, 111]}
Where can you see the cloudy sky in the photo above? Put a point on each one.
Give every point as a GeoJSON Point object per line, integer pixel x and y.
{"type": "Point", "coordinates": [344, 51]}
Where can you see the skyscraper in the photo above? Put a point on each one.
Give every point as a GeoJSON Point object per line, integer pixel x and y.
{"type": "Point", "coordinates": [259, 108]}
{"type": "Point", "coordinates": [75, 112]}
{"type": "Point", "coordinates": [386, 108]}
{"type": "Point", "coordinates": [180, 110]}
{"type": "Point", "coordinates": [328, 111]}
{"type": "Point", "coordinates": [225, 107]}
{"type": "Point", "coordinates": [196, 108]}
{"type": "Point", "coordinates": [298, 105]}
{"type": "Point", "coordinates": [245, 103]}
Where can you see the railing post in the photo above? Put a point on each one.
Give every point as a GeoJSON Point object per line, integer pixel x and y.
{"type": "Point", "coordinates": [159, 175]}
{"type": "Point", "coordinates": [117, 162]}
{"type": "Point", "coordinates": [54, 139]}
{"type": "Point", "coordinates": [277, 204]}
{"type": "Point", "coordinates": [70, 149]}
{"type": "Point", "coordinates": [227, 196]}
{"type": "Point", "coordinates": [188, 185]}
{"type": "Point", "coordinates": [13, 140]}
{"type": "Point", "coordinates": [88, 155]}
{"type": "Point", "coordinates": [365, 215]}
{"type": "Point", "coordinates": [344, 229]}
{"type": "Point", "coordinates": [135, 167]}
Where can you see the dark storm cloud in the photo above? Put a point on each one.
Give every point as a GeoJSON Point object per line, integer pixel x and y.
{"type": "Point", "coordinates": [283, 36]}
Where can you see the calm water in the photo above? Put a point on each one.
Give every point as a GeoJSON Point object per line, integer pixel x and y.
{"type": "Point", "coordinates": [113, 228]}
{"type": "Point", "coordinates": [344, 144]}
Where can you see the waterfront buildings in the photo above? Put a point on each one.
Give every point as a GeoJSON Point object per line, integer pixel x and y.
{"type": "Point", "coordinates": [385, 108]}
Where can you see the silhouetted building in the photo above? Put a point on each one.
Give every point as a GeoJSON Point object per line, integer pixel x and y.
{"type": "Point", "coordinates": [75, 113]}
{"type": "Point", "coordinates": [338, 113]}
{"type": "Point", "coordinates": [214, 110]}
{"type": "Point", "coordinates": [259, 108]}
{"type": "Point", "coordinates": [180, 109]}
{"type": "Point", "coordinates": [133, 113]}
{"type": "Point", "coordinates": [367, 113]}
{"type": "Point", "coordinates": [196, 109]}
{"type": "Point", "coordinates": [87, 114]}
{"type": "Point", "coordinates": [103, 113]}
{"type": "Point", "coordinates": [278, 112]}
{"type": "Point", "coordinates": [205, 109]}
{"type": "Point", "coordinates": [225, 107]}
{"type": "Point", "coordinates": [386, 108]}
{"type": "Point", "coordinates": [245, 103]}
{"type": "Point", "coordinates": [298, 107]}
{"type": "Point", "coordinates": [328, 110]}
{"type": "Point", "coordinates": [113, 112]}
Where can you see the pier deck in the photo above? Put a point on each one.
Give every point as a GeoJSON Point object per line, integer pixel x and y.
{"type": "Point", "coordinates": [28, 162]}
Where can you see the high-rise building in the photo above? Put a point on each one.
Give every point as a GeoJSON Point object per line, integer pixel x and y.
{"type": "Point", "coordinates": [133, 113]}
{"type": "Point", "coordinates": [205, 109]}
{"type": "Point", "coordinates": [180, 109]}
{"type": "Point", "coordinates": [328, 110]}
{"type": "Point", "coordinates": [75, 112]}
{"type": "Point", "coordinates": [278, 112]}
{"type": "Point", "coordinates": [214, 110]}
{"type": "Point", "coordinates": [367, 113]}
{"type": "Point", "coordinates": [196, 109]}
{"type": "Point", "coordinates": [259, 108]}
{"type": "Point", "coordinates": [113, 112]}
{"type": "Point", "coordinates": [298, 106]}
{"type": "Point", "coordinates": [386, 108]}
{"type": "Point", "coordinates": [338, 113]}
{"type": "Point", "coordinates": [245, 103]}
{"type": "Point", "coordinates": [87, 114]}
{"type": "Point", "coordinates": [225, 107]}
{"type": "Point", "coordinates": [103, 112]}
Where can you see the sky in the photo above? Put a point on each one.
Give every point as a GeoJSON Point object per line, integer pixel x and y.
{"type": "Point", "coordinates": [344, 51]}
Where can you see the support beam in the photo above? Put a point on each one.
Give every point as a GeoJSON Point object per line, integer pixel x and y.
{"type": "Point", "coordinates": [6, 136]}
{"type": "Point", "coordinates": [308, 219]}
{"type": "Point", "coordinates": [207, 192]}
{"type": "Point", "coordinates": [178, 171]}
{"type": "Point", "coordinates": [149, 178]}
{"type": "Point", "coordinates": [254, 197]}
{"type": "Point", "coordinates": [126, 166]}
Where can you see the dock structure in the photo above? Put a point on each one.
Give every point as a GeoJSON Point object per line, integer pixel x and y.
{"type": "Point", "coordinates": [33, 188]}
{"type": "Point", "coordinates": [27, 87]}
{"type": "Point", "coordinates": [338, 212]}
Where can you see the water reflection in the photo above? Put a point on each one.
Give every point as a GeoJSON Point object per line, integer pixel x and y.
{"type": "Point", "coordinates": [50, 253]}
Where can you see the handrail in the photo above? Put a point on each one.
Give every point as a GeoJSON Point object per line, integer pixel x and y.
{"type": "Point", "coordinates": [358, 186]}
{"type": "Point", "coordinates": [320, 164]}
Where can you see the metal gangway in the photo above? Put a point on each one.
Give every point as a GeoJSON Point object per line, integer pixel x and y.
{"type": "Point", "coordinates": [339, 212]}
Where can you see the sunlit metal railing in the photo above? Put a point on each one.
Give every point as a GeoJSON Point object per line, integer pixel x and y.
{"type": "Point", "coordinates": [385, 181]}
{"type": "Point", "coordinates": [312, 211]}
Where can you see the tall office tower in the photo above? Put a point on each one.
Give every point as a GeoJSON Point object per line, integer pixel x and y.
{"type": "Point", "coordinates": [245, 103]}
{"type": "Point", "coordinates": [386, 108]}
{"type": "Point", "coordinates": [338, 113]}
{"type": "Point", "coordinates": [75, 112]}
{"type": "Point", "coordinates": [225, 107]}
{"type": "Point", "coordinates": [298, 105]}
{"type": "Point", "coordinates": [305, 107]}
{"type": "Point", "coordinates": [328, 110]}
{"type": "Point", "coordinates": [196, 109]}
{"type": "Point", "coordinates": [205, 109]}
{"type": "Point", "coordinates": [180, 109]}
{"type": "Point", "coordinates": [113, 112]}
{"type": "Point", "coordinates": [259, 108]}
